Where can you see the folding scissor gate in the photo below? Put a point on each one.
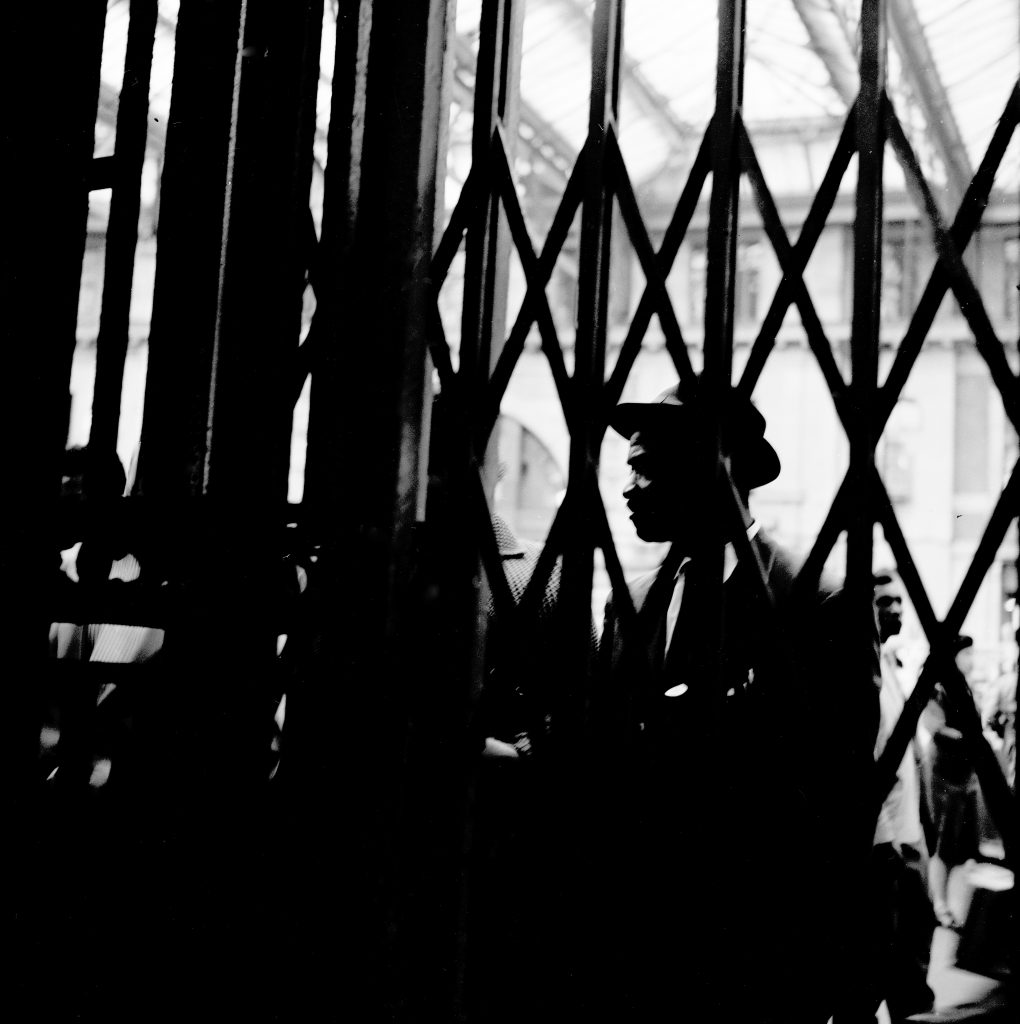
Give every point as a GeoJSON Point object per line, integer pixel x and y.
{"type": "Point", "coordinates": [371, 819]}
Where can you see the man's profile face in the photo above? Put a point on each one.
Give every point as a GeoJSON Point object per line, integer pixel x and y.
{"type": "Point", "coordinates": [889, 605]}
{"type": "Point", "coordinates": [658, 489]}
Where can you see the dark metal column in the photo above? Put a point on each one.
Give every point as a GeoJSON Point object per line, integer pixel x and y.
{"type": "Point", "coordinates": [48, 146]}
{"type": "Point", "coordinates": [381, 835]}
{"type": "Point", "coordinates": [597, 798]}
{"type": "Point", "coordinates": [718, 339]}
{"type": "Point", "coordinates": [48, 142]}
{"type": "Point", "coordinates": [590, 340]}
{"type": "Point", "coordinates": [457, 525]}
{"type": "Point", "coordinates": [245, 471]}
{"type": "Point", "coordinates": [866, 309]}
{"type": "Point", "coordinates": [213, 467]}
{"type": "Point", "coordinates": [186, 294]}
{"type": "Point", "coordinates": [325, 477]}
{"type": "Point", "coordinates": [487, 244]}
{"type": "Point", "coordinates": [266, 210]}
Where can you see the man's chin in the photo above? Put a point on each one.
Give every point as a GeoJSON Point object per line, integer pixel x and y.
{"type": "Point", "coordinates": [648, 531]}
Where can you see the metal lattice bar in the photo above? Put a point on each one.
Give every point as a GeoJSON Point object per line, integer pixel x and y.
{"type": "Point", "coordinates": [181, 336]}
{"type": "Point", "coordinates": [406, 750]}
{"type": "Point", "coordinates": [506, 190]}
{"type": "Point", "coordinates": [486, 246]}
{"type": "Point", "coordinates": [590, 341]}
{"type": "Point", "coordinates": [665, 257]}
{"type": "Point", "coordinates": [102, 173]}
{"type": "Point", "coordinates": [828, 533]}
{"type": "Point", "coordinates": [717, 348]}
{"type": "Point", "coordinates": [960, 280]}
{"type": "Point", "coordinates": [470, 195]}
{"type": "Point", "coordinates": [723, 206]}
{"type": "Point", "coordinates": [325, 483]}
{"type": "Point", "coordinates": [866, 299]}
{"type": "Point", "coordinates": [49, 139]}
{"type": "Point", "coordinates": [264, 243]}
{"type": "Point", "coordinates": [966, 222]}
{"type": "Point", "coordinates": [810, 232]}
{"type": "Point", "coordinates": [535, 299]}
{"type": "Point", "coordinates": [648, 258]}
{"type": "Point", "coordinates": [793, 277]}
{"type": "Point", "coordinates": [940, 636]}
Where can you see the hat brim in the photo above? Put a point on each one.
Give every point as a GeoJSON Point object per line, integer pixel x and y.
{"type": "Point", "coordinates": [758, 460]}
{"type": "Point", "coordinates": [630, 417]}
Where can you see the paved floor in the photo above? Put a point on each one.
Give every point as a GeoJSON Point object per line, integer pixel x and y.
{"type": "Point", "coordinates": [954, 987]}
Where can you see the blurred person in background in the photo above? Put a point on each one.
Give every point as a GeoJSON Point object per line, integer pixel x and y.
{"type": "Point", "coordinates": [954, 793]}
{"type": "Point", "coordinates": [1002, 720]}
{"type": "Point", "coordinates": [997, 706]}
{"type": "Point", "coordinates": [96, 549]}
{"type": "Point", "coordinates": [901, 919]}
{"type": "Point", "coordinates": [521, 856]}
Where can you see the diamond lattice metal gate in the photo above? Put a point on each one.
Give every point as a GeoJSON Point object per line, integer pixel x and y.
{"type": "Point", "coordinates": [226, 370]}
{"type": "Point", "coordinates": [727, 152]}
{"type": "Point", "coordinates": [598, 180]}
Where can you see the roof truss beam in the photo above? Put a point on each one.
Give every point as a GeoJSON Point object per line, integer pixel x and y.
{"type": "Point", "coordinates": [832, 39]}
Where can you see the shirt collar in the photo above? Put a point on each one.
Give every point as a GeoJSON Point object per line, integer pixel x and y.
{"type": "Point", "coordinates": [729, 554]}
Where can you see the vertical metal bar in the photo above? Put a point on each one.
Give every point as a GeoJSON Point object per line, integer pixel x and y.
{"type": "Point", "coordinates": [186, 292]}
{"type": "Point", "coordinates": [248, 429]}
{"type": "Point", "coordinates": [487, 244]}
{"type": "Point", "coordinates": [325, 478]}
{"type": "Point", "coordinates": [255, 334]}
{"type": "Point", "coordinates": [574, 650]}
{"type": "Point", "coordinates": [122, 230]}
{"type": "Point", "coordinates": [400, 814]}
{"type": "Point", "coordinates": [866, 308]}
{"type": "Point", "coordinates": [48, 140]}
{"type": "Point", "coordinates": [718, 338]}
{"type": "Point", "coordinates": [483, 319]}
{"type": "Point", "coordinates": [262, 280]}
{"type": "Point", "coordinates": [590, 340]}
{"type": "Point", "coordinates": [483, 332]}
{"type": "Point", "coordinates": [722, 234]}
{"type": "Point", "coordinates": [320, 767]}
{"type": "Point", "coordinates": [863, 392]}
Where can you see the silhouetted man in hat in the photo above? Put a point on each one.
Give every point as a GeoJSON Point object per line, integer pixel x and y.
{"type": "Point", "coordinates": [742, 819]}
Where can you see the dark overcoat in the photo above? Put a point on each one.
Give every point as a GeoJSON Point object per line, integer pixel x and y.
{"type": "Point", "coordinates": [735, 840]}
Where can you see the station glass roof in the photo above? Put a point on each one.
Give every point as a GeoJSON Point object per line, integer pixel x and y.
{"type": "Point", "coordinates": [952, 64]}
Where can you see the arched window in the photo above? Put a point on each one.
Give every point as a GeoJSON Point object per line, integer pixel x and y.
{"type": "Point", "coordinates": [531, 482]}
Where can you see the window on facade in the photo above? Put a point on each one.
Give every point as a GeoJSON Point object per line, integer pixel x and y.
{"type": "Point", "coordinates": [1011, 278]}
{"type": "Point", "coordinates": [747, 292]}
{"type": "Point", "coordinates": [620, 280]}
{"type": "Point", "coordinates": [970, 456]}
{"type": "Point", "coordinates": [896, 296]}
{"type": "Point", "coordinates": [531, 483]}
{"type": "Point", "coordinates": [698, 270]}
{"type": "Point", "coordinates": [747, 287]}
{"type": "Point", "coordinates": [897, 469]}
{"type": "Point", "coordinates": [563, 297]}
{"type": "Point", "coordinates": [896, 460]}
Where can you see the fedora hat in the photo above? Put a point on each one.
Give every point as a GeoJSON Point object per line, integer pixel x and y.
{"type": "Point", "coordinates": [673, 413]}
